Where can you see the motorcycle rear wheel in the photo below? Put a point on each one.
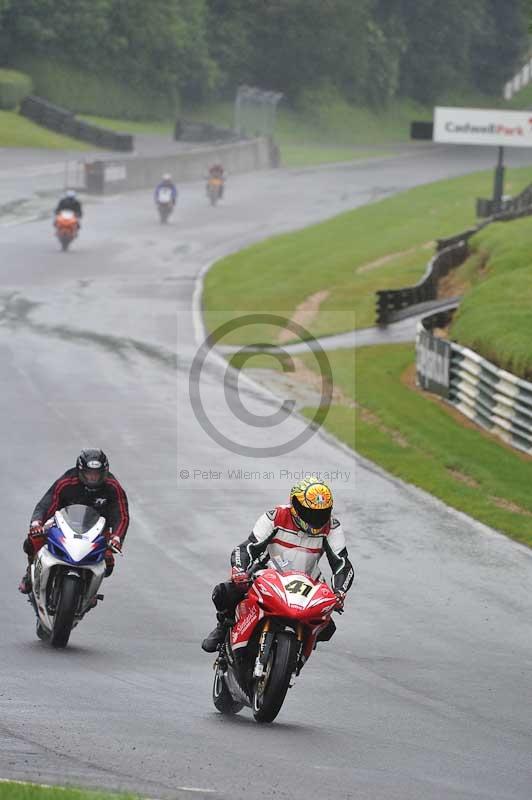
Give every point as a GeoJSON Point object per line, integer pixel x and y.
{"type": "Point", "coordinates": [66, 611]}
{"type": "Point", "coordinates": [64, 243]}
{"type": "Point", "coordinates": [270, 691]}
{"type": "Point", "coordinates": [221, 695]}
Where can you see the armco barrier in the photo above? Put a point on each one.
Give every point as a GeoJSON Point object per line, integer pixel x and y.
{"type": "Point", "coordinates": [118, 175]}
{"type": "Point", "coordinates": [186, 131]}
{"type": "Point", "coordinates": [391, 302]}
{"type": "Point", "coordinates": [63, 121]}
{"type": "Point", "coordinates": [491, 397]}
{"type": "Point", "coordinates": [452, 251]}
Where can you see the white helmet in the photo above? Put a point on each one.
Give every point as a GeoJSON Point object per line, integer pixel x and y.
{"type": "Point", "coordinates": [167, 177]}
{"type": "Point", "coordinates": [70, 193]}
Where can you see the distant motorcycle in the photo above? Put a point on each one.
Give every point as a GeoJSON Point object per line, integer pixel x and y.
{"type": "Point", "coordinates": [214, 189]}
{"type": "Point", "coordinates": [66, 227]}
{"type": "Point", "coordinates": [274, 633]}
{"type": "Point", "coordinates": [67, 572]}
{"type": "Point", "coordinates": [165, 203]}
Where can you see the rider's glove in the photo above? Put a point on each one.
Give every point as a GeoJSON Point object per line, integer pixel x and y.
{"type": "Point", "coordinates": [35, 539]}
{"type": "Point", "coordinates": [239, 576]}
{"type": "Point", "coordinates": [340, 600]}
{"type": "Point", "coordinates": [115, 544]}
{"type": "Point", "coordinates": [36, 528]}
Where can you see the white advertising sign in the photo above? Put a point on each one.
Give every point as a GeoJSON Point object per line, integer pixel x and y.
{"type": "Point", "coordinates": [115, 173]}
{"type": "Point", "coordinates": [483, 126]}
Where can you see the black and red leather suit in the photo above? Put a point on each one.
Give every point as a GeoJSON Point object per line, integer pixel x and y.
{"type": "Point", "coordinates": [109, 500]}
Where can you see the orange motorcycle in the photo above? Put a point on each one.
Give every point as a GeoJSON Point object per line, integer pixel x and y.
{"type": "Point", "coordinates": [215, 187]}
{"type": "Point", "coordinates": [66, 227]}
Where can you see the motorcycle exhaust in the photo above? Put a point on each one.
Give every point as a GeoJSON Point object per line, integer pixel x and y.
{"type": "Point", "coordinates": [237, 693]}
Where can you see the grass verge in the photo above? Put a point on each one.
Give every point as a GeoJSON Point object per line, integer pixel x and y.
{"type": "Point", "coordinates": [162, 128]}
{"type": "Point", "coordinates": [384, 245]}
{"type": "Point", "coordinates": [12, 790]}
{"type": "Point", "coordinates": [495, 317]}
{"type": "Point", "coordinates": [422, 440]}
{"type": "Point", "coordinates": [17, 131]}
{"type": "Point", "coordinates": [324, 133]}
{"type": "Point", "coordinates": [301, 154]}
{"type": "Point", "coordinates": [376, 409]}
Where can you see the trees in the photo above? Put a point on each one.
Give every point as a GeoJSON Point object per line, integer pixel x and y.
{"type": "Point", "coordinates": [370, 51]}
{"type": "Point", "coordinates": [500, 42]}
{"type": "Point", "coordinates": [453, 45]}
{"type": "Point", "coordinates": [290, 45]}
{"type": "Point", "coordinates": [158, 46]}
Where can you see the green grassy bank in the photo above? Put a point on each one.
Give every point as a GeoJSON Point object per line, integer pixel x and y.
{"type": "Point", "coordinates": [422, 440]}
{"type": "Point", "coordinates": [377, 409]}
{"type": "Point", "coordinates": [29, 791]}
{"type": "Point", "coordinates": [384, 245]}
{"type": "Point", "coordinates": [17, 131]}
{"type": "Point", "coordinates": [495, 317]}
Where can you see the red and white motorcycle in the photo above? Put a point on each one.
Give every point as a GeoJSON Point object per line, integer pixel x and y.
{"type": "Point", "coordinates": [275, 630]}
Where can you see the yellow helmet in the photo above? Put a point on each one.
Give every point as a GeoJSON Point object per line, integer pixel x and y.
{"type": "Point", "coordinates": [311, 504]}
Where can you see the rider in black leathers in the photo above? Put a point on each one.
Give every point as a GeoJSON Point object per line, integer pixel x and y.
{"type": "Point", "coordinates": [70, 202]}
{"type": "Point", "coordinates": [89, 483]}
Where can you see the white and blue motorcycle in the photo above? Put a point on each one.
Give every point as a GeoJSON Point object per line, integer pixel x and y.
{"type": "Point", "coordinates": [67, 572]}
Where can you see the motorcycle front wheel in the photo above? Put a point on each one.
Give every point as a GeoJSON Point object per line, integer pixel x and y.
{"type": "Point", "coordinates": [270, 690]}
{"type": "Point", "coordinates": [66, 611]}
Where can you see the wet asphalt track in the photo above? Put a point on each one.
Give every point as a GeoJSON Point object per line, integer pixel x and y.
{"type": "Point", "coordinates": [425, 690]}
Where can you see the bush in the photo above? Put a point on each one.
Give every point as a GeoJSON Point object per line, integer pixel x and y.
{"type": "Point", "coordinates": [336, 121]}
{"type": "Point", "coordinates": [89, 93]}
{"type": "Point", "coordinates": [14, 86]}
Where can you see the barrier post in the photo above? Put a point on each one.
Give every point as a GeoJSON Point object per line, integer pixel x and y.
{"type": "Point", "coordinates": [95, 177]}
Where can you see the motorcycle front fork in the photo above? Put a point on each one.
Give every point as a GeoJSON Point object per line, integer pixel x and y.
{"type": "Point", "coordinates": [265, 645]}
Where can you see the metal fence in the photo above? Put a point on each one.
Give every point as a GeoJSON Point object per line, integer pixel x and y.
{"type": "Point", "coordinates": [255, 111]}
{"type": "Point", "coordinates": [391, 303]}
{"type": "Point", "coordinates": [491, 397]}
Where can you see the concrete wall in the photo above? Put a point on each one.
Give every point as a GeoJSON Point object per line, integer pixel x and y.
{"type": "Point", "coordinates": [118, 175]}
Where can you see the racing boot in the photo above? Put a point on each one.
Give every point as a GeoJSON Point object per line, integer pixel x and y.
{"type": "Point", "coordinates": [215, 638]}
{"type": "Point", "coordinates": [25, 584]}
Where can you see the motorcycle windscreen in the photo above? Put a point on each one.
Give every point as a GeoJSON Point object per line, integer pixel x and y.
{"type": "Point", "coordinates": [80, 518]}
{"type": "Point", "coordinates": [285, 559]}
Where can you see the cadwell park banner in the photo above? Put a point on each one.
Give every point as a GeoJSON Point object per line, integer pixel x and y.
{"type": "Point", "coordinates": [483, 126]}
